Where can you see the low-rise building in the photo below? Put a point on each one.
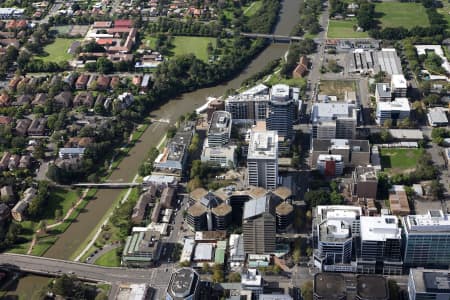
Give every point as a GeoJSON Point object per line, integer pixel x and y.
{"type": "Point", "coordinates": [329, 286]}
{"type": "Point", "coordinates": [19, 210]}
{"type": "Point", "coordinates": [395, 110]}
{"type": "Point", "coordinates": [353, 152]}
{"type": "Point", "coordinates": [5, 161]}
{"type": "Point", "coordinates": [172, 160]}
{"type": "Point", "coordinates": [37, 127]}
{"type": "Point", "coordinates": [398, 201]}
{"type": "Point", "coordinates": [399, 85]}
{"type": "Point", "coordinates": [427, 284]}
{"type": "Point", "coordinates": [364, 183]}
{"type": "Point", "coordinates": [142, 249]}
{"type": "Point", "coordinates": [67, 153]}
{"type": "Point", "coordinates": [82, 81]}
{"type": "Point", "coordinates": [330, 165]}
{"type": "Point", "coordinates": [225, 156]}
{"type": "Point", "coordinates": [22, 126]}
{"type": "Point", "coordinates": [383, 92]}
{"type": "Point", "coordinates": [83, 99]}
{"type": "Point", "coordinates": [183, 285]}
{"type": "Point", "coordinates": [63, 99]}
{"type": "Point", "coordinates": [437, 117]}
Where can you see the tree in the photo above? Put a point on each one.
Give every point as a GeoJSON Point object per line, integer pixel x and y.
{"type": "Point", "coordinates": [234, 277]}
{"type": "Point", "coordinates": [63, 285]}
{"type": "Point", "coordinates": [393, 289]}
{"type": "Point", "coordinates": [307, 290]}
{"type": "Point", "coordinates": [206, 268]}
{"type": "Point", "coordinates": [317, 197]}
{"type": "Point", "coordinates": [436, 190]}
{"type": "Point", "coordinates": [218, 274]}
{"type": "Point", "coordinates": [58, 214]}
{"type": "Point", "coordinates": [101, 296]}
{"type": "Point", "coordinates": [194, 183]}
{"type": "Point", "coordinates": [171, 131]}
{"type": "Point", "coordinates": [296, 255]}
{"type": "Point", "coordinates": [104, 65]}
{"type": "Point", "coordinates": [333, 66]}
{"type": "Point", "coordinates": [387, 123]}
{"type": "Point", "coordinates": [42, 227]}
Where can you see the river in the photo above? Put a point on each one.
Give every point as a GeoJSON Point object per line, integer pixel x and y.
{"type": "Point", "coordinates": [70, 240]}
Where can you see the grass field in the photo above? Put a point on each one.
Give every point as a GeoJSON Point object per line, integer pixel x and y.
{"type": "Point", "coordinates": [445, 11]}
{"type": "Point", "coordinates": [62, 199]}
{"type": "Point", "coordinates": [253, 8]}
{"type": "Point", "coordinates": [406, 14]}
{"type": "Point", "coordinates": [195, 45]}
{"type": "Point", "coordinates": [344, 29]}
{"type": "Point", "coordinates": [57, 51]}
{"type": "Point", "coordinates": [337, 87]}
{"type": "Point", "coordinates": [109, 259]}
{"type": "Point", "coordinates": [65, 29]}
{"type": "Point", "coordinates": [399, 160]}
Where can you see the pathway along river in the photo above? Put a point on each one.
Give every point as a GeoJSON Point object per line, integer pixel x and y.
{"type": "Point", "coordinates": [71, 239]}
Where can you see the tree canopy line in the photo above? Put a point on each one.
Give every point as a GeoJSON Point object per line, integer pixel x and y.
{"type": "Point", "coordinates": [436, 30]}
{"type": "Point", "coordinates": [309, 17]}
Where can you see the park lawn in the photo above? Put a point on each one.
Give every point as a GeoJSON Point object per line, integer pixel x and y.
{"type": "Point", "coordinates": [294, 82]}
{"type": "Point", "coordinates": [337, 87]}
{"type": "Point", "coordinates": [344, 29]}
{"type": "Point", "coordinates": [252, 8]}
{"type": "Point", "coordinates": [64, 29]}
{"type": "Point", "coordinates": [62, 199]}
{"type": "Point", "coordinates": [398, 160]}
{"type": "Point", "coordinates": [57, 51]}
{"type": "Point", "coordinates": [109, 259]}
{"type": "Point", "coordinates": [401, 14]}
{"type": "Point", "coordinates": [150, 41]}
{"type": "Point", "coordinates": [43, 244]}
{"type": "Point", "coordinates": [193, 44]}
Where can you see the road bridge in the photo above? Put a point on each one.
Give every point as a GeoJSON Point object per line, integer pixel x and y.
{"type": "Point", "coordinates": [56, 267]}
{"type": "Point", "coordinates": [108, 185]}
{"type": "Point", "coordinates": [157, 278]}
{"type": "Point", "coordinates": [274, 37]}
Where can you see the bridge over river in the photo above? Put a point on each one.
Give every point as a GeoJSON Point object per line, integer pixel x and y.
{"type": "Point", "coordinates": [157, 278]}
{"type": "Point", "coordinates": [273, 37]}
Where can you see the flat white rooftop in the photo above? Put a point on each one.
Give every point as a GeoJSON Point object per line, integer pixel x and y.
{"type": "Point", "coordinates": [329, 157]}
{"type": "Point", "coordinates": [433, 221]}
{"type": "Point", "coordinates": [399, 104]}
{"type": "Point", "coordinates": [399, 81]}
{"type": "Point", "coordinates": [379, 228]}
{"type": "Point", "coordinates": [437, 116]}
{"type": "Point", "coordinates": [263, 145]}
{"type": "Point", "coordinates": [331, 110]}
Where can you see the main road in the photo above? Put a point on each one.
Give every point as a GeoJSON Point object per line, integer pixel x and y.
{"type": "Point", "coordinates": [156, 277]}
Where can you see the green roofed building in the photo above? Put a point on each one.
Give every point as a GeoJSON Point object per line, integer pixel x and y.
{"type": "Point", "coordinates": [141, 249]}
{"type": "Point", "coordinates": [219, 256]}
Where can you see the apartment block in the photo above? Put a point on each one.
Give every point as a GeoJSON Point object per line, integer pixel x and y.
{"type": "Point", "coordinates": [334, 120]}
{"type": "Point", "coordinates": [427, 240]}
{"type": "Point", "coordinates": [380, 250]}
{"type": "Point", "coordinates": [262, 159]}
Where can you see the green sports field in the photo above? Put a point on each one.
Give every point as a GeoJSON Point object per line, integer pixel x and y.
{"type": "Point", "coordinates": [344, 29]}
{"type": "Point", "coordinates": [401, 14]}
